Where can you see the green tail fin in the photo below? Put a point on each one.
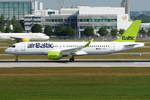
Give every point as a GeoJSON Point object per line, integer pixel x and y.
{"type": "Point", "coordinates": [131, 33]}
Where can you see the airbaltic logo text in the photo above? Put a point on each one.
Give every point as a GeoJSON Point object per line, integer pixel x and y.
{"type": "Point", "coordinates": [128, 38]}
{"type": "Point", "coordinates": [40, 45]}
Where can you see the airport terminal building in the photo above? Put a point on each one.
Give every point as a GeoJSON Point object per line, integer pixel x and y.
{"type": "Point", "coordinates": [81, 17]}
{"type": "Point", "coordinates": [18, 8]}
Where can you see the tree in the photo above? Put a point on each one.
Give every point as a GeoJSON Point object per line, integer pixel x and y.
{"type": "Point", "coordinates": [36, 28]}
{"type": "Point", "coordinates": [2, 23]}
{"type": "Point", "coordinates": [18, 28]}
{"type": "Point", "coordinates": [68, 31]}
{"type": "Point", "coordinates": [7, 29]}
{"type": "Point", "coordinates": [121, 31]}
{"type": "Point", "coordinates": [148, 33]}
{"type": "Point", "coordinates": [103, 31]}
{"type": "Point", "coordinates": [114, 32]}
{"type": "Point", "coordinates": [48, 30]}
{"type": "Point", "coordinates": [89, 31]}
{"type": "Point", "coordinates": [64, 31]}
{"type": "Point", "coordinates": [142, 32]}
{"type": "Point", "coordinates": [59, 30]}
{"type": "Point", "coordinates": [13, 21]}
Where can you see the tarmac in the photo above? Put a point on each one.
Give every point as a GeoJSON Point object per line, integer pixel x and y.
{"type": "Point", "coordinates": [77, 63]}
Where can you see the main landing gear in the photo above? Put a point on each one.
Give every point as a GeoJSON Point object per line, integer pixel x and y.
{"type": "Point", "coordinates": [16, 58]}
{"type": "Point", "coordinates": [72, 59]}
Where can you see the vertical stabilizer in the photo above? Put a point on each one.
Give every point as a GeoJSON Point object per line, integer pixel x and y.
{"type": "Point", "coordinates": [130, 34]}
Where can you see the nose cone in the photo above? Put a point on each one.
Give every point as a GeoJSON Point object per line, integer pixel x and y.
{"type": "Point", "coordinates": [8, 51]}
{"type": "Point", "coordinates": [47, 37]}
{"type": "Point", "coordinates": [44, 38]}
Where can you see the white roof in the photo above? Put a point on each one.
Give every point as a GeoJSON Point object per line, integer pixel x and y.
{"type": "Point", "coordinates": [68, 11]}
{"type": "Point", "coordinates": [84, 10]}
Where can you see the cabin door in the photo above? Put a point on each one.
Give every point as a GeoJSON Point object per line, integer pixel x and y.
{"type": "Point", "coordinates": [23, 47]}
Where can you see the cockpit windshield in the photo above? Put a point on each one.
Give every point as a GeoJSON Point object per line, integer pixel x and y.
{"type": "Point", "coordinates": [13, 46]}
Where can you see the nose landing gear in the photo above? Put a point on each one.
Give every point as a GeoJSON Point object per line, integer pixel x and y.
{"type": "Point", "coordinates": [72, 59]}
{"type": "Point", "coordinates": [16, 58]}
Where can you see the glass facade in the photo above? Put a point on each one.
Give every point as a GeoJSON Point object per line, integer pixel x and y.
{"type": "Point", "coordinates": [97, 21]}
{"type": "Point", "coordinates": [65, 20]}
{"type": "Point", "coordinates": [82, 20]}
{"type": "Point", "coordinates": [15, 8]}
{"type": "Point", "coordinates": [78, 22]}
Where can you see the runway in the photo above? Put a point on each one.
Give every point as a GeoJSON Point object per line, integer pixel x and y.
{"type": "Point", "coordinates": [77, 63]}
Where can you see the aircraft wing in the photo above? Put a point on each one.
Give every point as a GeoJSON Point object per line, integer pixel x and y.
{"type": "Point", "coordinates": [75, 50]}
{"type": "Point", "coordinates": [20, 39]}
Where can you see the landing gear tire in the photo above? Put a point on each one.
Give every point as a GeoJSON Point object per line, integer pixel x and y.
{"type": "Point", "coordinates": [72, 59]}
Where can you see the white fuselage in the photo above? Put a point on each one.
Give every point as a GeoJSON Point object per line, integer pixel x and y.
{"type": "Point", "coordinates": [31, 36]}
{"type": "Point", "coordinates": [42, 48]}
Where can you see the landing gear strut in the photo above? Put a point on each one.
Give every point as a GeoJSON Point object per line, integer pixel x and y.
{"type": "Point", "coordinates": [17, 58]}
{"type": "Point", "coordinates": [72, 59]}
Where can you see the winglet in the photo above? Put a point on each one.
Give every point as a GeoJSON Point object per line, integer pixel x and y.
{"type": "Point", "coordinates": [88, 43]}
{"type": "Point", "coordinates": [131, 33]}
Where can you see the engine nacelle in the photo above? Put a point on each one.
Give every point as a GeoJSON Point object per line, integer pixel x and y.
{"type": "Point", "coordinates": [54, 55]}
{"type": "Point", "coordinates": [25, 40]}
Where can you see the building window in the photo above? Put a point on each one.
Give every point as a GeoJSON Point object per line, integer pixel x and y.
{"type": "Point", "coordinates": [15, 8]}
{"type": "Point", "coordinates": [50, 13]}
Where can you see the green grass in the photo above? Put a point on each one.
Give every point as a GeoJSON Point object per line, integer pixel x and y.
{"type": "Point", "coordinates": [75, 84]}
{"type": "Point", "coordinates": [44, 57]}
{"type": "Point", "coordinates": [2, 50]}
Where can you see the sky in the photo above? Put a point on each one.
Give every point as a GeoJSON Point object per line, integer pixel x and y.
{"type": "Point", "coordinates": [136, 5]}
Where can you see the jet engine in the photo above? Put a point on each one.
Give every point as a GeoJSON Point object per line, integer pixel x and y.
{"type": "Point", "coordinates": [54, 55]}
{"type": "Point", "coordinates": [25, 39]}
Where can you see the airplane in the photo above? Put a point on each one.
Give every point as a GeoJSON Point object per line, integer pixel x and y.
{"type": "Point", "coordinates": [58, 50]}
{"type": "Point", "coordinates": [23, 37]}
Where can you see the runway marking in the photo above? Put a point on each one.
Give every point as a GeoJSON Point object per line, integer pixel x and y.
{"type": "Point", "coordinates": [147, 53]}
{"type": "Point", "coordinates": [82, 63]}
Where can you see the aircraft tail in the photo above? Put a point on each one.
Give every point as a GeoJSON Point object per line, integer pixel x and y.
{"type": "Point", "coordinates": [130, 34]}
